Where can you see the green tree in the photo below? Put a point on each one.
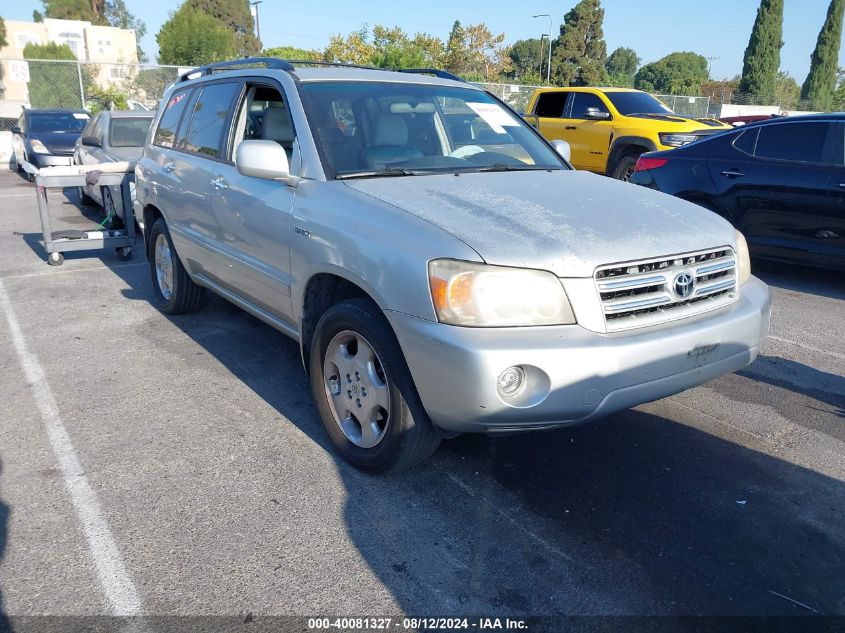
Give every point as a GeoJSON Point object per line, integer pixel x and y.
{"type": "Point", "coordinates": [118, 15]}
{"type": "Point", "coordinates": [675, 74]}
{"type": "Point", "coordinates": [525, 58]}
{"type": "Point", "coordinates": [236, 16]}
{"type": "Point", "coordinates": [580, 51]}
{"type": "Point", "coordinates": [93, 11]}
{"type": "Point", "coordinates": [762, 55]}
{"type": "Point", "coordinates": [193, 38]}
{"type": "Point", "coordinates": [292, 52]}
{"type": "Point", "coordinates": [821, 81]}
{"type": "Point", "coordinates": [3, 41]}
{"type": "Point", "coordinates": [394, 49]}
{"type": "Point", "coordinates": [355, 48]}
{"type": "Point", "coordinates": [456, 50]}
{"type": "Point", "coordinates": [621, 66]}
{"type": "Point", "coordinates": [51, 84]}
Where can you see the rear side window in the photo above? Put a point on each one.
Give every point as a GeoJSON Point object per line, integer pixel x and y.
{"type": "Point", "coordinates": [214, 105]}
{"type": "Point", "coordinates": [551, 105]}
{"type": "Point", "coordinates": [584, 100]}
{"type": "Point", "coordinates": [746, 141]}
{"type": "Point", "coordinates": [799, 142]}
{"type": "Point", "coordinates": [166, 132]}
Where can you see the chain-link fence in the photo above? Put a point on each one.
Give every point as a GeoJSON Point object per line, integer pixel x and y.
{"type": "Point", "coordinates": [786, 102]}
{"type": "Point", "coordinates": [87, 85]}
{"type": "Point", "coordinates": [516, 96]}
{"type": "Point", "coordinates": [692, 107]}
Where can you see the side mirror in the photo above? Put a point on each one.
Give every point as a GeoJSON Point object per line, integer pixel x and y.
{"type": "Point", "coordinates": [563, 148]}
{"type": "Point", "coordinates": [595, 113]}
{"type": "Point", "coordinates": [91, 141]}
{"type": "Point", "coordinates": [263, 159]}
{"type": "Point", "coordinates": [16, 129]}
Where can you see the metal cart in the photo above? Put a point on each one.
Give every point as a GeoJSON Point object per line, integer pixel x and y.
{"type": "Point", "coordinates": [58, 242]}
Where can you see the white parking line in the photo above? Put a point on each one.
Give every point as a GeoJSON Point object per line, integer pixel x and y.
{"type": "Point", "coordinates": [16, 195]}
{"type": "Point", "coordinates": [111, 571]}
{"type": "Point", "coordinates": [810, 348]}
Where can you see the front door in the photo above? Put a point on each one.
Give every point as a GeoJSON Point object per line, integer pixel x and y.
{"type": "Point", "coordinates": [588, 138]}
{"type": "Point", "coordinates": [252, 216]}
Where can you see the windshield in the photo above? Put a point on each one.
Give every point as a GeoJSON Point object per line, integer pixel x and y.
{"type": "Point", "coordinates": [409, 129]}
{"type": "Point", "coordinates": [637, 103]}
{"type": "Point", "coordinates": [129, 132]}
{"type": "Point", "coordinates": [58, 121]}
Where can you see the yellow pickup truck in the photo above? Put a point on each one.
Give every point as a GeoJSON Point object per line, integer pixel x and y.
{"type": "Point", "coordinates": [608, 128]}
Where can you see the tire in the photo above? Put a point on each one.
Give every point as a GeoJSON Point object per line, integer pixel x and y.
{"type": "Point", "coordinates": [55, 259]}
{"type": "Point", "coordinates": [124, 253]}
{"type": "Point", "coordinates": [115, 221]}
{"type": "Point", "coordinates": [174, 291]}
{"type": "Point", "coordinates": [624, 167]}
{"type": "Point", "coordinates": [84, 199]}
{"type": "Point", "coordinates": [402, 429]}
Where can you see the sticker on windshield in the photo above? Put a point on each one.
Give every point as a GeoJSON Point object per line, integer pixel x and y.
{"type": "Point", "coordinates": [81, 116]}
{"type": "Point", "coordinates": [494, 115]}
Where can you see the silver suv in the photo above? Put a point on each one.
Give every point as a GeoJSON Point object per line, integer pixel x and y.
{"type": "Point", "coordinates": [443, 268]}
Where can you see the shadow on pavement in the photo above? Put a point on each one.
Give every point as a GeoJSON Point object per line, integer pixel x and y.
{"type": "Point", "coordinates": [635, 514]}
{"type": "Point", "coordinates": [818, 281]}
{"type": "Point", "coordinates": [5, 626]}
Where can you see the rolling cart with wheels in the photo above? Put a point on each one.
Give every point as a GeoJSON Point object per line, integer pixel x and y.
{"type": "Point", "coordinates": [57, 243]}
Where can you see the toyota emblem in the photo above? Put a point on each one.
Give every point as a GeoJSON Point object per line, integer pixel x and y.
{"type": "Point", "coordinates": [683, 285]}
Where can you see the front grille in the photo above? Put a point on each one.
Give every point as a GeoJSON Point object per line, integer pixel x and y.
{"type": "Point", "coordinates": [649, 292]}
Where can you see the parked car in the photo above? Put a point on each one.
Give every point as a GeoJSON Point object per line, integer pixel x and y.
{"type": "Point", "coordinates": [46, 138]}
{"type": "Point", "coordinates": [739, 121]}
{"type": "Point", "coordinates": [780, 182]}
{"type": "Point", "coordinates": [608, 128]}
{"type": "Point", "coordinates": [111, 137]}
{"type": "Point", "coordinates": [438, 281]}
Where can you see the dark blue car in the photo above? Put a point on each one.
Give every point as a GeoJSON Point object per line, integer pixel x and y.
{"type": "Point", "coordinates": [780, 182]}
{"type": "Point", "coordinates": [46, 138]}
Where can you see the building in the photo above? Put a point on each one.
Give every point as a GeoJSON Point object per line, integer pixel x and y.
{"type": "Point", "coordinates": [109, 51]}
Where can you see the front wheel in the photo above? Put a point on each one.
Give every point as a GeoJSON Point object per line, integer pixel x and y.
{"type": "Point", "coordinates": [175, 292]}
{"type": "Point", "coordinates": [624, 168]}
{"type": "Point", "coordinates": [364, 392]}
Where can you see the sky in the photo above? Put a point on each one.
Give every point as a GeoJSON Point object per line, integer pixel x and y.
{"type": "Point", "coordinates": [654, 28]}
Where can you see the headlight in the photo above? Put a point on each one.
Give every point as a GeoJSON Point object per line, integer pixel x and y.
{"type": "Point", "coordinates": [676, 140]}
{"type": "Point", "coordinates": [743, 258]}
{"type": "Point", "coordinates": [477, 295]}
{"type": "Point", "coordinates": [38, 147]}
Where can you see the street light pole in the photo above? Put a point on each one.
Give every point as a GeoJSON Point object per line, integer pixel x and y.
{"type": "Point", "coordinates": [549, 71]}
{"type": "Point", "coordinates": [257, 25]}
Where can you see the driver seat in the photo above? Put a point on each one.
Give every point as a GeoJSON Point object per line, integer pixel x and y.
{"type": "Point", "coordinates": [390, 143]}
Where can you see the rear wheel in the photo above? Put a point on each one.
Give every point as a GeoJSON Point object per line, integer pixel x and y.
{"type": "Point", "coordinates": [175, 293]}
{"type": "Point", "coordinates": [111, 211]}
{"type": "Point", "coordinates": [364, 392]}
{"type": "Point", "coordinates": [624, 167]}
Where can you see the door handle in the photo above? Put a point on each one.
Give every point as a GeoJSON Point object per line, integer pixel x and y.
{"type": "Point", "coordinates": [169, 166]}
{"type": "Point", "coordinates": [733, 173]}
{"type": "Point", "coordinates": [570, 127]}
{"type": "Point", "coordinates": [219, 183]}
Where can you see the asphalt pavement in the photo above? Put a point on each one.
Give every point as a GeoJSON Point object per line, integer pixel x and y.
{"type": "Point", "coordinates": [176, 466]}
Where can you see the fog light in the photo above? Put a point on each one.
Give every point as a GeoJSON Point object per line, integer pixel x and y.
{"type": "Point", "coordinates": [511, 381]}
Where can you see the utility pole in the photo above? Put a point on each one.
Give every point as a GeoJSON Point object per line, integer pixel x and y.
{"type": "Point", "coordinates": [542, 36]}
{"type": "Point", "coordinates": [257, 25]}
{"type": "Point", "coordinates": [549, 71]}
{"type": "Point", "coordinates": [710, 63]}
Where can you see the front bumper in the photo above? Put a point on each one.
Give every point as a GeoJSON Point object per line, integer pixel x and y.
{"type": "Point", "coordinates": [574, 375]}
{"type": "Point", "coordinates": [50, 160]}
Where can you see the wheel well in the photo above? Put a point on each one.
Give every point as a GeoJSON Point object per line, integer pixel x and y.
{"type": "Point", "coordinates": [151, 214]}
{"type": "Point", "coordinates": [622, 150]}
{"type": "Point", "coordinates": [322, 292]}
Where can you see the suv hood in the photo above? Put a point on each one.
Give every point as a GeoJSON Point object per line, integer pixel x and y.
{"type": "Point", "coordinates": [568, 222]}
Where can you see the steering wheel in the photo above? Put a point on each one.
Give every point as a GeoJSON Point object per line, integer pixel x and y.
{"type": "Point", "coordinates": [466, 150]}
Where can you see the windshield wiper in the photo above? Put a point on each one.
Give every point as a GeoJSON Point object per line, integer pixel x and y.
{"type": "Point", "coordinates": [378, 173]}
{"type": "Point", "coordinates": [506, 167]}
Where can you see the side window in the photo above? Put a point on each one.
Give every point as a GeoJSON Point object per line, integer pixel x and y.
{"type": "Point", "coordinates": [798, 142]}
{"type": "Point", "coordinates": [551, 104]}
{"type": "Point", "coordinates": [584, 100]}
{"type": "Point", "coordinates": [746, 141]}
{"type": "Point", "coordinates": [208, 121]}
{"type": "Point", "coordinates": [264, 115]}
{"type": "Point", "coordinates": [166, 132]}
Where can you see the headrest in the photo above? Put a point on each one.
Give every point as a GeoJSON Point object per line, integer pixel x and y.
{"type": "Point", "coordinates": [390, 129]}
{"type": "Point", "coordinates": [276, 126]}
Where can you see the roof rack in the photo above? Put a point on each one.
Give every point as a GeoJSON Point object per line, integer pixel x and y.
{"type": "Point", "coordinates": [442, 74]}
{"type": "Point", "coordinates": [274, 63]}
{"type": "Point", "coordinates": [270, 62]}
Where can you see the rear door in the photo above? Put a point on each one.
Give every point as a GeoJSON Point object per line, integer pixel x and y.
{"type": "Point", "coordinates": [588, 138]}
{"type": "Point", "coordinates": [549, 112]}
{"type": "Point", "coordinates": [198, 149]}
{"type": "Point", "coordinates": [92, 154]}
{"type": "Point", "coordinates": [252, 216]}
{"type": "Point", "coordinates": [776, 185]}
